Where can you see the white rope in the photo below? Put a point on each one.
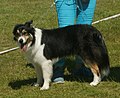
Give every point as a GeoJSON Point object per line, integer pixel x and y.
{"type": "Point", "coordinates": [5, 51]}
{"type": "Point", "coordinates": [104, 19]}
{"type": "Point", "coordinates": [111, 17]}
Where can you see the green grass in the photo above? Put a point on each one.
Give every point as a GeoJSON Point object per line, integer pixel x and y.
{"type": "Point", "coordinates": [16, 78]}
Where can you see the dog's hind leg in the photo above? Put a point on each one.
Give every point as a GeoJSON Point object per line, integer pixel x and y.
{"type": "Point", "coordinates": [47, 68]}
{"type": "Point", "coordinates": [96, 75]}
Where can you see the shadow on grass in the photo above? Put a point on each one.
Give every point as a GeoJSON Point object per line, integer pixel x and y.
{"type": "Point", "coordinates": [19, 83]}
{"type": "Point", "coordinates": [113, 76]}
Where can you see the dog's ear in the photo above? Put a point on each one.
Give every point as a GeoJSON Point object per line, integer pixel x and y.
{"type": "Point", "coordinates": [28, 23]}
{"type": "Point", "coordinates": [16, 27]}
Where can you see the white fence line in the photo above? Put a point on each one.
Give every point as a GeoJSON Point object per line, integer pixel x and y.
{"type": "Point", "coordinates": [104, 19]}
{"type": "Point", "coordinates": [5, 51]}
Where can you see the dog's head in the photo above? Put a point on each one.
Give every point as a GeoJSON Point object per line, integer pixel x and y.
{"type": "Point", "coordinates": [24, 35]}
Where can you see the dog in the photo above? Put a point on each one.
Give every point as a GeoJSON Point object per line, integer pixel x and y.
{"type": "Point", "coordinates": [44, 47]}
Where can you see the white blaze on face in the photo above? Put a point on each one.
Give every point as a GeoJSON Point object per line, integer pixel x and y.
{"type": "Point", "coordinates": [21, 43]}
{"type": "Point", "coordinates": [22, 38]}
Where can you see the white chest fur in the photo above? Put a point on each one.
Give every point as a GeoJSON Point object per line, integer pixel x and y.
{"type": "Point", "coordinates": [35, 53]}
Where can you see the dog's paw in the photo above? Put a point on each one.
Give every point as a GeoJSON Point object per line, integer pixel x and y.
{"type": "Point", "coordinates": [44, 88]}
{"type": "Point", "coordinates": [94, 83]}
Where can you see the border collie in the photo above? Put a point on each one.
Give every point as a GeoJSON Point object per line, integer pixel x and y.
{"type": "Point", "coordinates": [44, 47]}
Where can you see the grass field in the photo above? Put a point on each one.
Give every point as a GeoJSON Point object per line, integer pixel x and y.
{"type": "Point", "coordinates": [16, 77]}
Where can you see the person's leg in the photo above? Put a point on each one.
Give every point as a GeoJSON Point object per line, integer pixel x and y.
{"type": "Point", "coordinates": [66, 12]}
{"type": "Point", "coordinates": [85, 13]}
{"type": "Point", "coordinates": [80, 69]}
{"type": "Point", "coordinates": [58, 71]}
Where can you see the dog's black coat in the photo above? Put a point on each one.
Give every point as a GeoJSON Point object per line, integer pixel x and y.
{"type": "Point", "coordinates": [83, 40]}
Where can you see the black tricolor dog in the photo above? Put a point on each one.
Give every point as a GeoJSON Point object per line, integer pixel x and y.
{"type": "Point", "coordinates": [44, 47]}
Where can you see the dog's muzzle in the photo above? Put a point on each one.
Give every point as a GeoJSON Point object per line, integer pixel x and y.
{"type": "Point", "coordinates": [21, 40]}
{"type": "Point", "coordinates": [22, 43]}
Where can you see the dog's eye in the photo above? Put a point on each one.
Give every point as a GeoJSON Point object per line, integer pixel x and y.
{"type": "Point", "coordinates": [17, 34]}
{"type": "Point", "coordinates": [24, 33]}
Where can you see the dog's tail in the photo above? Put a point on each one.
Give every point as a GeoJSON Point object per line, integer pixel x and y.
{"type": "Point", "coordinates": [102, 57]}
{"type": "Point", "coordinates": [104, 66]}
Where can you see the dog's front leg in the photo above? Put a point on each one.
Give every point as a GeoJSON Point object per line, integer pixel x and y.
{"type": "Point", "coordinates": [47, 68]}
{"type": "Point", "coordinates": [39, 75]}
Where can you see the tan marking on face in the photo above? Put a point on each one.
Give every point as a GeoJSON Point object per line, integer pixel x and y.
{"type": "Point", "coordinates": [27, 38]}
{"type": "Point", "coordinates": [18, 31]}
{"type": "Point", "coordinates": [24, 31]}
